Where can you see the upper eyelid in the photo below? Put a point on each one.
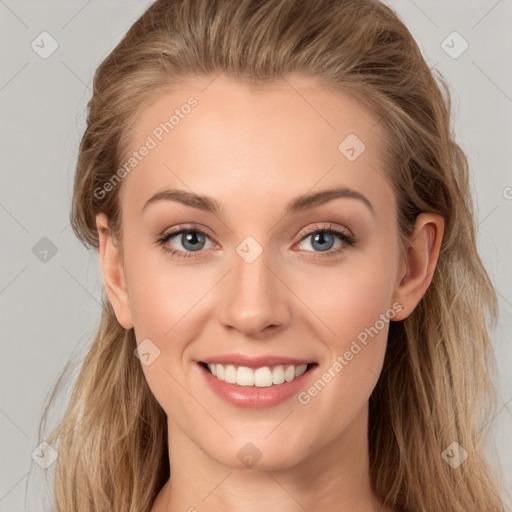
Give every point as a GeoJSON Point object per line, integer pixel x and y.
{"type": "Point", "coordinates": [176, 230]}
{"type": "Point", "coordinates": [325, 227]}
{"type": "Point", "coordinates": [199, 227]}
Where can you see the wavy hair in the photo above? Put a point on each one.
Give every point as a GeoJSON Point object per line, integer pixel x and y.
{"type": "Point", "coordinates": [435, 387]}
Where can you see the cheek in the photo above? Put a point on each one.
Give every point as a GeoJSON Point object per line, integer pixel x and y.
{"type": "Point", "coordinates": [162, 293]}
{"type": "Point", "coordinates": [357, 309]}
{"type": "Point", "coordinates": [355, 297]}
{"type": "Point", "coordinates": [361, 302]}
{"type": "Point", "coordinates": [165, 302]}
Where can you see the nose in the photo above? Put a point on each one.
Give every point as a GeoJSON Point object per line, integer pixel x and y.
{"type": "Point", "coordinates": [254, 299]}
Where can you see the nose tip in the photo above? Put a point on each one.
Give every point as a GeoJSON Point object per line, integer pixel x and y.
{"type": "Point", "coordinates": [253, 301]}
{"type": "Point", "coordinates": [252, 325]}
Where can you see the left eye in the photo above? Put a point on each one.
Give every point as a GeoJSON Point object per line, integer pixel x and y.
{"type": "Point", "coordinates": [323, 239]}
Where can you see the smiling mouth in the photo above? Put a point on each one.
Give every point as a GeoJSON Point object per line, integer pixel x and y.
{"type": "Point", "coordinates": [262, 377]}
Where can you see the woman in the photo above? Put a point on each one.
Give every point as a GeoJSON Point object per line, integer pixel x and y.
{"type": "Point", "coordinates": [294, 315]}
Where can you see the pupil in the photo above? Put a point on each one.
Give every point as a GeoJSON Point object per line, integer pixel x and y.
{"type": "Point", "coordinates": [322, 239]}
{"type": "Point", "coordinates": [192, 238]}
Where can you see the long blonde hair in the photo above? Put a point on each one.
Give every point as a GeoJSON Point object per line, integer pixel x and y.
{"type": "Point", "coordinates": [435, 387]}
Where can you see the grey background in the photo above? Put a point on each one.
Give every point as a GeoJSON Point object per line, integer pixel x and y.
{"type": "Point", "coordinates": [50, 309]}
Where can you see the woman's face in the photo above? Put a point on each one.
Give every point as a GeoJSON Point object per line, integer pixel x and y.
{"type": "Point", "coordinates": [259, 282]}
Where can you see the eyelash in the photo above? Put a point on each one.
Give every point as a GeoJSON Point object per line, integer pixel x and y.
{"type": "Point", "coordinates": [332, 230]}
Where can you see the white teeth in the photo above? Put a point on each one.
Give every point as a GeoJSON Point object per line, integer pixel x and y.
{"type": "Point", "coordinates": [230, 374]}
{"type": "Point", "coordinates": [244, 376]}
{"type": "Point", "coordinates": [263, 377]}
{"type": "Point", "coordinates": [278, 375]}
{"type": "Point", "coordinates": [300, 370]}
{"type": "Point", "coordinates": [289, 373]}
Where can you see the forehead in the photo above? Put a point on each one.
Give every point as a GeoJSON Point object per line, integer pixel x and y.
{"type": "Point", "coordinates": [226, 138]}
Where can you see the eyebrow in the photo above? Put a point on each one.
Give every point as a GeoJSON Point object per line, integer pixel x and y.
{"type": "Point", "coordinates": [298, 204]}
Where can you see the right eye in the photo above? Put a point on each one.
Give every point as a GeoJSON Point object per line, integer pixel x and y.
{"type": "Point", "coordinates": [187, 237]}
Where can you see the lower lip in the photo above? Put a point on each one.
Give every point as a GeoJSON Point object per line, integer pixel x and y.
{"type": "Point", "coordinates": [254, 397]}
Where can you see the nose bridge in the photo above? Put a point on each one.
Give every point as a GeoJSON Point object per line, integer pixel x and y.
{"type": "Point", "coordinates": [254, 297]}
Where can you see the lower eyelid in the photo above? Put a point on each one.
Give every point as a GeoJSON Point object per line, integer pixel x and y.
{"type": "Point", "coordinates": [185, 254]}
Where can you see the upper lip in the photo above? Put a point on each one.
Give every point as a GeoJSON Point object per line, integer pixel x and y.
{"type": "Point", "coordinates": [255, 361]}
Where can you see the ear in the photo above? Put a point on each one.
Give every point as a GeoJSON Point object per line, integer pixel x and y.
{"type": "Point", "coordinates": [113, 273]}
{"type": "Point", "coordinates": [417, 270]}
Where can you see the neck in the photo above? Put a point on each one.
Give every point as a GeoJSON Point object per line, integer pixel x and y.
{"type": "Point", "coordinates": [335, 477]}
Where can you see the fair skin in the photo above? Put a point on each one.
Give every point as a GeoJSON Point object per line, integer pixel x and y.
{"type": "Point", "coordinates": [254, 151]}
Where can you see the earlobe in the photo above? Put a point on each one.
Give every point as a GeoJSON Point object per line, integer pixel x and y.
{"type": "Point", "coordinates": [421, 259]}
{"type": "Point", "coordinates": [113, 273]}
